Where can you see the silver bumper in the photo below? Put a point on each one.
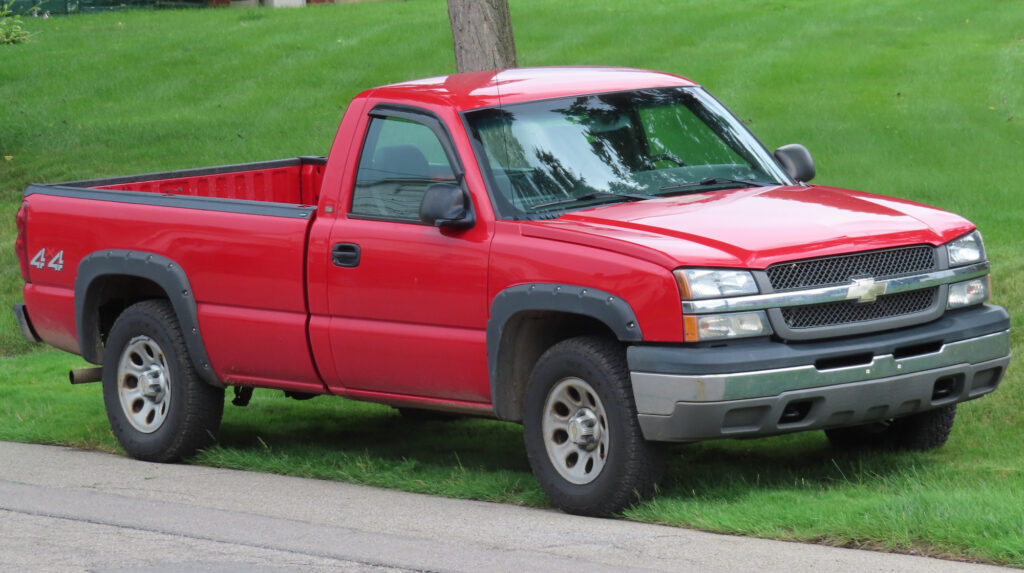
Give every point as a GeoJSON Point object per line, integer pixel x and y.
{"type": "Point", "coordinates": [755, 403]}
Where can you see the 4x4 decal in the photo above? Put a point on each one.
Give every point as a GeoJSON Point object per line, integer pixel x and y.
{"type": "Point", "coordinates": [56, 262]}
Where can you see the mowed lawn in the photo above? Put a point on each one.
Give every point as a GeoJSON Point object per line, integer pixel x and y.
{"type": "Point", "coordinates": [915, 99]}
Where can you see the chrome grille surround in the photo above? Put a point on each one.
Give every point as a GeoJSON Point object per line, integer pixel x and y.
{"type": "Point", "coordinates": [852, 307]}
{"type": "Point", "coordinates": [886, 311]}
{"type": "Point", "coordinates": [821, 295]}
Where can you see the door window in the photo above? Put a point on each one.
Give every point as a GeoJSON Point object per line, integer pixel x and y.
{"type": "Point", "coordinates": [399, 160]}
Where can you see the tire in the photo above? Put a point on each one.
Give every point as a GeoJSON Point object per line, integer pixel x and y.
{"type": "Point", "coordinates": [580, 387]}
{"type": "Point", "coordinates": [918, 432]}
{"type": "Point", "coordinates": [176, 413]}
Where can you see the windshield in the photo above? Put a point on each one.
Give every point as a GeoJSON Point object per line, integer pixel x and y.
{"type": "Point", "coordinates": [556, 155]}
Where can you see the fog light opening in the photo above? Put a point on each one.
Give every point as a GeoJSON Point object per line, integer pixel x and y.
{"type": "Point", "coordinates": [795, 412]}
{"type": "Point", "coordinates": [947, 386]}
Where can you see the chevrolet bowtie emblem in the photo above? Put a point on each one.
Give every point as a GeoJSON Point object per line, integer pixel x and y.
{"type": "Point", "coordinates": [865, 290]}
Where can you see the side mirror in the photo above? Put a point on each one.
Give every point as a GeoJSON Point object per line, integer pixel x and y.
{"type": "Point", "coordinates": [797, 162]}
{"type": "Point", "coordinates": [446, 205]}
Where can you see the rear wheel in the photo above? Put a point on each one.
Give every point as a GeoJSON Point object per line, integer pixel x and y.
{"type": "Point", "coordinates": [923, 431]}
{"type": "Point", "coordinates": [581, 432]}
{"type": "Point", "coordinates": [159, 409]}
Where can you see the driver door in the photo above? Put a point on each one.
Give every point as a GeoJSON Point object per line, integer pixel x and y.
{"type": "Point", "coordinates": [408, 301]}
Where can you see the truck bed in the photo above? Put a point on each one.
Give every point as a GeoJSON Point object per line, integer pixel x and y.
{"type": "Point", "coordinates": [237, 231]}
{"type": "Point", "coordinates": [296, 181]}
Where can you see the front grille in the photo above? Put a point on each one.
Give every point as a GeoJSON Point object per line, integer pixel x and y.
{"type": "Point", "coordinates": [849, 311]}
{"type": "Point", "coordinates": [842, 269]}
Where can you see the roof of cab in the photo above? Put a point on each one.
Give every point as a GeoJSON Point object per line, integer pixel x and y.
{"type": "Point", "coordinates": [481, 89]}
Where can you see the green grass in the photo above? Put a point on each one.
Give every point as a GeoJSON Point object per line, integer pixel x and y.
{"type": "Point", "coordinates": [915, 99]}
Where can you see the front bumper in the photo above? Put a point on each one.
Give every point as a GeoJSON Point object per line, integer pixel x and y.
{"type": "Point", "coordinates": [760, 388]}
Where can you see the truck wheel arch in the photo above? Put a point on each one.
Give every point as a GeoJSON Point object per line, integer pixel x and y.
{"type": "Point", "coordinates": [131, 276]}
{"type": "Point", "coordinates": [528, 319]}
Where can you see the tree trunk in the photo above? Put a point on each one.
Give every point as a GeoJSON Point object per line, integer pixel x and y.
{"type": "Point", "coordinates": [482, 33]}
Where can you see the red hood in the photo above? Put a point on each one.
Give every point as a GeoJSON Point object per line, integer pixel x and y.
{"type": "Point", "coordinates": [753, 228]}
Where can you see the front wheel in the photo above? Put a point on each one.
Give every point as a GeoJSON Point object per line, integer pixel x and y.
{"type": "Point", "coordinates": [581, 432]}
{"type": "Point", "coordinates": [159, 409]}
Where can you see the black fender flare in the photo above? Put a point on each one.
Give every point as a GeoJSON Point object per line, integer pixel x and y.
{"type": "Point", "coordinates": [162, 271]}
{"type": "Point", "coordinates": [609, 309]}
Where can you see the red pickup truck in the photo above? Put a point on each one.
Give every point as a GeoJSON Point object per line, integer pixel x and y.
{"type": "Point", "coordinates": [606, 256]}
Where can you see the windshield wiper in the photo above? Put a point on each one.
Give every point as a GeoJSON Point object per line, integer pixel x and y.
{"type": "Point", "coordinates": [714, 181]}
{"type": "Point", "coordinates": [589, 196]}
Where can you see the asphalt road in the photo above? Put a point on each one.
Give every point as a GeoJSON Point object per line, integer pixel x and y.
{"type": "Point", "coordinates": [68, 510]}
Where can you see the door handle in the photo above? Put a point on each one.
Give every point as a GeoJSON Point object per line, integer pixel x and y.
{"type": "Point", "coordinates": [345, 255]}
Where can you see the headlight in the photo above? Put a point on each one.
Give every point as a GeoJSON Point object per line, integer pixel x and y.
{"type": "Point", "coordinates": [729, 325]}
{"type": "Point", "coordinates": [966, 250]}
{"type": "Point", "coordinates": [709, 283]}
{"type": "Point", "coordinates": [970, 292]}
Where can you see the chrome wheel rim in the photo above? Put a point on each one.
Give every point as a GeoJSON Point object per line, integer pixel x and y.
{"type": "Point", "coordinates": [143, 384]}
{"type": "Point", "coordinates": [575, 430]}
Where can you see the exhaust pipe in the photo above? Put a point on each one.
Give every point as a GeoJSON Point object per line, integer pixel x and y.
{"type": "Point", "coordinates": [85, 375]}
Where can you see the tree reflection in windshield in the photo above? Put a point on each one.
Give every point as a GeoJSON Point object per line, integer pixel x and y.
{"type": "Point", "coordinates": [598, 146]}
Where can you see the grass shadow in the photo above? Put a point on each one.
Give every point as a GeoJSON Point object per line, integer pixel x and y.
{"type": "Point", "coordinates": [726, 470]}
{"type": "Point", "coordinates": [374, 445]}
{"type": "Point", "coordinates": [486, 459]}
